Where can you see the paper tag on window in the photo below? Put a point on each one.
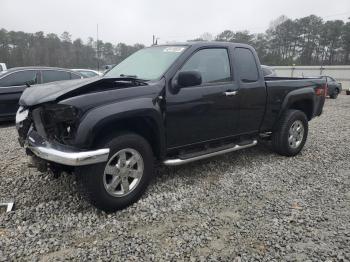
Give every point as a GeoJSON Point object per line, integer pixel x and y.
{"type": "Point", "coordinates": [174, 49]}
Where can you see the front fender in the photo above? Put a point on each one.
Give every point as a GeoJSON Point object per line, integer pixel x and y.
{"type": "Point", "coordinates": [96, 119]}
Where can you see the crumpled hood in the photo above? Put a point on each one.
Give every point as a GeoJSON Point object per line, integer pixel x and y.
{"type": "Point", "coordinates": [51, 91]}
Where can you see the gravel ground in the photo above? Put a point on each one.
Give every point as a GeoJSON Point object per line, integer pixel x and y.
{"type": "Point", "coordinates": [244, 206]}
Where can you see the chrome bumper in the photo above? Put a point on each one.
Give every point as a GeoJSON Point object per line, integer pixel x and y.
{"type": "Point", "coordinates": [61, 154]}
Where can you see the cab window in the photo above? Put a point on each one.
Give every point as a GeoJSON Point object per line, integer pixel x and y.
{"type": "Point", "coordinates": [246, 65]}
{"type": "Point", "coordinates": [20, 78]}
{"type": "Point", "coordinates": [213, 64]}
{"type": "Point", "coordinates": [55, 75]}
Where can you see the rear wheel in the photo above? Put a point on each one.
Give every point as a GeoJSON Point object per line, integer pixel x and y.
{"type": "Point", "coordinates": [123, 179]}
{"type": "Point", "coordinates": [291, 133]}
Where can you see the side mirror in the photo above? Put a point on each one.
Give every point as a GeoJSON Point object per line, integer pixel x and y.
{"type": "Point", "coordinates": [189, 78]}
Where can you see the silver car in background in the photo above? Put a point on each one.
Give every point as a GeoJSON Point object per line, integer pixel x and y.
{"type": "Point", "coordinates": [86, 73]}
{"type": "Point", "coordinates": [268, 71]}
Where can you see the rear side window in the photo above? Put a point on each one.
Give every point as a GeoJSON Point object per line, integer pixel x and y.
{"type": "Point", "coordinates": [246, 65]}
{"type": "Point", "coordinates": [20, 78]}
{"type": "Point", "coordinates": [53, 75]}
{"type": "Point", "coordinates": [75, 76]}
{"type": "Point", "coordinates": [213, 64]}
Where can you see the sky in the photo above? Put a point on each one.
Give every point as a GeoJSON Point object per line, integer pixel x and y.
{"type": "Point", "coordinates": [135, 21]}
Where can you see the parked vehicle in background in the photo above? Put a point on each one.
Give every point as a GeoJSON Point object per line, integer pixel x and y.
{"type": "Point", "coordinates": [334, 87]}
{"type": "Point", "coordinates": [268, 71]}
{"type": "Point", "coordinates": [86, 73]}
{"type": "Point", "coordinates": [174, 103]}
{"type": "Point", "coordinates": [3, 67]}
{"type": "Point", "coordinates": [15, 80]}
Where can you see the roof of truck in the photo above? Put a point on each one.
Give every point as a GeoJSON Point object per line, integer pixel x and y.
{"type": "Point", "coordinates": [205, 43]}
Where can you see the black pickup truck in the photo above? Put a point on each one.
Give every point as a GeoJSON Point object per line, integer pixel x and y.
{"type": "Point", "coordinates": [169, 104]}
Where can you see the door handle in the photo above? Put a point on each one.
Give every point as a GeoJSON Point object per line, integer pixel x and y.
{"type": "Point", "coordinates": [231, 93]}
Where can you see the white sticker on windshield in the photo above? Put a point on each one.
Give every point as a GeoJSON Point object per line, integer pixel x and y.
{"type": "Point", "coordinates": [174, 49]}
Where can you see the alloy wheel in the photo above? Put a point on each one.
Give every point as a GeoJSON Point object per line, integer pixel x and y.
{"type": "Point", "coordinates": [123, 172]}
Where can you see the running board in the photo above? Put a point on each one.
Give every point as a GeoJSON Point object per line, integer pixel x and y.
{"type": "Point", "coordinates": [179, 161]}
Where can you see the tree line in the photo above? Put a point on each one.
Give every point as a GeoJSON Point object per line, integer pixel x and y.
{"type": "Point", "coordinates": [27, 49]}
{"type": "Point", "coordinates": [305, 41]}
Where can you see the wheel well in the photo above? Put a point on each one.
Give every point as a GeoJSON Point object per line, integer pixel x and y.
{"type": "Point", "coordinates": [304, 105]}
{"type": "Point", "coordinates": [145, 127]}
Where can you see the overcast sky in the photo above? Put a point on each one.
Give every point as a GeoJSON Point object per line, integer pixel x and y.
{"type": "Point", "coordinates": [135, 21]}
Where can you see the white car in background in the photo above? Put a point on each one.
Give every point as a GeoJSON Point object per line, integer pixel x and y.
{"type": "Point", "coordinates": [86, 73]}
{"type": "Point", "coordinates": [268, 71]}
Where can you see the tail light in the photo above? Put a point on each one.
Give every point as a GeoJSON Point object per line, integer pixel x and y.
{"type": "Point", "coordinates": [322, 90]}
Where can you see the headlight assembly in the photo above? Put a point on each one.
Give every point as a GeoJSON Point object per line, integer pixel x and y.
{"type": "Point", "coordinates": [60, 122]}
{"type": "Point", "coordinates": [21, 115]}
{"type": "Point", "coordinates": [60, 113]}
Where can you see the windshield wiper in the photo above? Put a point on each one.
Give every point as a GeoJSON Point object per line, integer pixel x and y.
{"type": "Point", "coordinates": [130, 76]}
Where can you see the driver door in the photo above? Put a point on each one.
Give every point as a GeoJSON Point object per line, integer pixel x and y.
{"type": "Point", "coordinates": [205, 112]}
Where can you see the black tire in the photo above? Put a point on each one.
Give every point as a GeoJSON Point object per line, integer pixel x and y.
{"type": "Point", "coordinates": [334, 95]}
{"type": "Point", "coordinates": [91, 178]}
{"type": "Point", "coordinates": [347, 92]}
{"type": "Point", "coordinates": [280, 143]}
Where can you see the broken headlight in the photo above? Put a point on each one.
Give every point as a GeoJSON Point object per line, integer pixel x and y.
{"type": "Point", "coordinates": [21, 114]}
{"type": "Point", "coordinates": [61, 113]}
{"type": "Point", "coordinates": [60, 122]}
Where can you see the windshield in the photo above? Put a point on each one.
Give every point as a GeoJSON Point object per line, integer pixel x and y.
{"type": "Point", "coordinates": [148, 64]}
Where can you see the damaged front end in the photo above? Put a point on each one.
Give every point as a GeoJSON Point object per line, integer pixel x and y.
{"type": "Point", "coordinates": [56, 122]}
{"type": "Point", "coordinates": [47, 133]}
{"type": "Point", "coordinates": [49, 121]}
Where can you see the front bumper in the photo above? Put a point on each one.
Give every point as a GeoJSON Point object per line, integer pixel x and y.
{"type": "Point", "coordinates": [62, 154]}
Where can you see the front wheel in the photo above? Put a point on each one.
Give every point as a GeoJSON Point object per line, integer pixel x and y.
{"type": "Point", "coordinates": [291, 133]}
{"type": "Point", "coordinates": [122, 180]}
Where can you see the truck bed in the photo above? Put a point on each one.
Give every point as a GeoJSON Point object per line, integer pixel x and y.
{"type": "Point", "coordinates": [293, 82]}
{"type": "Point", "coordinates": [276, 78]}
{"type": "Point", "coordinates": [277, 88]}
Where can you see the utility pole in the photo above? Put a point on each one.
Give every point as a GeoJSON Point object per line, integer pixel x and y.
{"type": "Point", "coordinates": [97, 50]}
{"type": "Point", "coordinates": [155, 40]}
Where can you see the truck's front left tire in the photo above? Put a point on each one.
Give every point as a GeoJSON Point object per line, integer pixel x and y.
{"type": "Point", "coordinates": [122, 180]}
{"type": "Point", "coordinates": [291, 133]}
